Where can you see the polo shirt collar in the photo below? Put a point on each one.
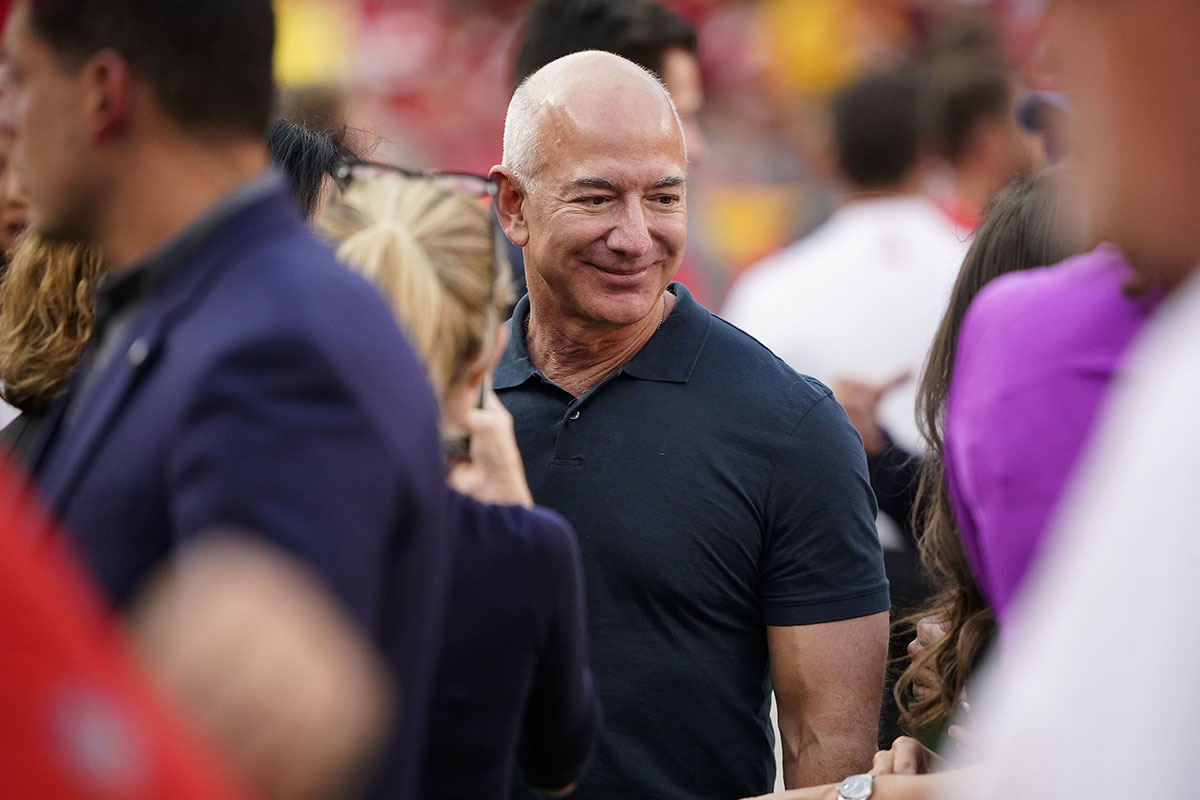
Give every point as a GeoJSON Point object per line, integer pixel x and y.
{"type": "Point", "coordinates": [670, 355]}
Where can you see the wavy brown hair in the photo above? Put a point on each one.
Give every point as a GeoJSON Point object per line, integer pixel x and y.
{"type": "Point", "coordinates": [47, 307]}
{"type": "Point", "coordinates": [1028, 224]}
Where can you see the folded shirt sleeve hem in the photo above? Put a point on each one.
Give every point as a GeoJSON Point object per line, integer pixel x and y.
{"type": "Point", "coordinates": [863, 604]}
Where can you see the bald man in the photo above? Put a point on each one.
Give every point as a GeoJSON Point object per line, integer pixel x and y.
{"type": "Point", "coordinates": [721, 499]}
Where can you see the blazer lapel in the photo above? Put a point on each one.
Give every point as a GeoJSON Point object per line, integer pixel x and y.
{"type": "Point", "coordinates": [62, 455]}
{"type": "Point", "coordinates": [70, 451]}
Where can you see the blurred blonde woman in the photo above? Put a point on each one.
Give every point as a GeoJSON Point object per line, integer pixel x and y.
{"type": "Point", "coordinates": [46, 314]}
{"type": "Point", "coordinates": [514, 675]}
{"type": "Point", "coordinates": [428, 246]}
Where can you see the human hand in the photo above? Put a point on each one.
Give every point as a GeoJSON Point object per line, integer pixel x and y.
{"type": "Point", "coordinates": [261, 656]}
{"type": "Point", "coordinates": [926, 683]}
{"type": "Point", "coordinates": [906, 756]}
{"type": "Point", "coordinates": [861, 402]}
{"type": "Point", "coordinates": [494, 472]}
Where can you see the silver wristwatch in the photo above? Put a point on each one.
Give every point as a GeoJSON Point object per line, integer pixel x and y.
{"type": "Point", "coordinates": [856, 787]}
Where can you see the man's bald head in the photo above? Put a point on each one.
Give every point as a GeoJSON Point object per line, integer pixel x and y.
{"type": "Point", "coordinates": [578, 93]}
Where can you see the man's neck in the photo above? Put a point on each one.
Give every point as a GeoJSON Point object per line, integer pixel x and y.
{"type": "Point", "coordinates": [907, 186]}
{"type": "Point", "coordinates": [576, 356]}
{"type": "Point", "coordinates": [170, 189]}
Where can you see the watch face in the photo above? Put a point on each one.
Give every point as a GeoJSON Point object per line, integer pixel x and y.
{"type": "Point", "coordinates": [856, 787]}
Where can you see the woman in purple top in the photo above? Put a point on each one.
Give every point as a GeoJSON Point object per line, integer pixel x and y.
{"type": "Point", "coordinates": [1032, 359]}
{"type": "Point", "coordinates": [514, 688]}
{"type": "Point", "coordinates": [1028, 224]}
{"type": "Point", "coordinates": [1036, 354]}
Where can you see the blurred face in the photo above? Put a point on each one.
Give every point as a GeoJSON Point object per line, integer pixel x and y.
{"type": "Point", "coordinates": [1134, 84]}
{"type": "Point", "coordinates": [681, 74]}
{"type": "Point", "coordinates": [606, 213]}
{"type": "Point", "coordinates": [48, 120]}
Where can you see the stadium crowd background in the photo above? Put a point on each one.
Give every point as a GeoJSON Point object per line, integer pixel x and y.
{"type": "Point", "coordinates": [433, 77]}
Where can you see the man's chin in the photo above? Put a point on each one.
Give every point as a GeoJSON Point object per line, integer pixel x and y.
{"type": "Point", "coordinates": [622, 311]}
{"type": "Point", "coordinates": [53, 231]}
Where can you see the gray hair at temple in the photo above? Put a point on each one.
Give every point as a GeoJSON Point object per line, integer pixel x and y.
{"type": "Point", "coordinates": [523, 151]}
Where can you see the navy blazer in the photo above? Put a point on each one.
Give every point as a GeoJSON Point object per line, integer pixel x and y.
{"type": "Point", "coordinates": [265, 386]}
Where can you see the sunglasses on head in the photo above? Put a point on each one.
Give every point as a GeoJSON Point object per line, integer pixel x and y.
{"type": "Point", "coordinates": [477, 187]}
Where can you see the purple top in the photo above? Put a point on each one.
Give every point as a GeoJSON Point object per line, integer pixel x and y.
{"type": "Point", "coordinates": [1036, 354]}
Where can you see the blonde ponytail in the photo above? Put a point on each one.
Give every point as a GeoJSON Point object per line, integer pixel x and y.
{"type": "Point", "coordinates": [431, 252]}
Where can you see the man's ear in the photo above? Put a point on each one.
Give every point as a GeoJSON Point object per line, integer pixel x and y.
{"type": "Point", "coordinates": [108, 88]}
{"type": "Point", "coordinates": [510, 206]}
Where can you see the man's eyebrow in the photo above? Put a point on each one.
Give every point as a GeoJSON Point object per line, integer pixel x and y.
{"type": "Point", "coordinates": [605, 183]}
{"type": "Point", "coordinates": [595, 183]}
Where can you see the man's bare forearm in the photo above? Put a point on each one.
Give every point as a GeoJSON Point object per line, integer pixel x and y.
{"type": "Point", "coordinates": [826, 759]}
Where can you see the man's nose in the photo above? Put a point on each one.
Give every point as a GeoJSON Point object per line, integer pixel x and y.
{"type": "Point", "coordinates": [14, 189]}
{"type": "Point", "coordinates": [630, 235]}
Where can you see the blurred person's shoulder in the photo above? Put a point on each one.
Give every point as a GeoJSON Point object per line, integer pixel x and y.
{"type": "Point", "coordinates": [765, 282]}
{"type": "Point", "coordinates": [534, 531]}
{"type": "Point", "coordinates": [1072, 307]}
{"type": "Point", "coordinates": [278, 297]}
{"type": "Point", "coordinates": [531, 551]}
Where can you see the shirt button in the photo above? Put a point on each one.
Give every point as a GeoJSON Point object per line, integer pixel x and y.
{"type": "Point", "coordinates": [138, 352]}
{"type": "Point", "coordinates": [574, 415]}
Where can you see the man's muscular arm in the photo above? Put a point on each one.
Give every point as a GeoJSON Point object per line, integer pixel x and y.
{"type": "Point", "coordinates": [828, 681]}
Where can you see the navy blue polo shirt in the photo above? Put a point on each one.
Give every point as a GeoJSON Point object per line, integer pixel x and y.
{"type": "Point", "coordinates": [714, 492]}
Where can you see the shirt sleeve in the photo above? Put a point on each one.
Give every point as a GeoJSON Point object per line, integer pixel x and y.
{"type": "Point", "coordinates": [275, 444]}
{"type": "Point", "coordinates": [822, 559]}
{"type": "Point", "coordinates": [563, 716]}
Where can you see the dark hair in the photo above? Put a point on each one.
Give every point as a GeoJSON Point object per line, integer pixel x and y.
{"type": "Point", "coordinates": [307, 157]}
{"type": "Point", "coordinates": [971, 89]}
{"type": "Point", "coordinates": [881, 124]}
{"type": "Point", "coordinates": [208, 63]}
{"type": "Point", "coordinates": [1027, 224]}
{"type": "Point", "coordinates": [639, 30]}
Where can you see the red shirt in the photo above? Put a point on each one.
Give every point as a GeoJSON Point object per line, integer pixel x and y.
{"type": "Point", "coordinates": [79, 720]}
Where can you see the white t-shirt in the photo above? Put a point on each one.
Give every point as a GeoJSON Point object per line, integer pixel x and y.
{"type": "Point", "coordinates": [7, 413]}
{"type": "Point", "coordinates": [861, 298]}
{"type": "Point", "coordinates": [1099, 696]}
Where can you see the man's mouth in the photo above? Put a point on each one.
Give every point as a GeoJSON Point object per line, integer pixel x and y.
{"type": "Point", "coordinates": [621, 272]}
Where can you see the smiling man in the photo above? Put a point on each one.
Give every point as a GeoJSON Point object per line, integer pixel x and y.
{"type": "Point", "coordinates": [721, 499]}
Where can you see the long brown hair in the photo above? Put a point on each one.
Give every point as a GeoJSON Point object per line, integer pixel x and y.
{"type": "Point", "coordinates": [1028, 224]}
{"type": "Point", "coordinates": [46, 312]}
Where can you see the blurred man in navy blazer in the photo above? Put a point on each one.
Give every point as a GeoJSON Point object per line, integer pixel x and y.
{"type": "Point", "coordinates": [238, 376]}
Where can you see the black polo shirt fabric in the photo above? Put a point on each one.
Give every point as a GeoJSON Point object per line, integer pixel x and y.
{"type": "Point", "coordinates": [714, 492]}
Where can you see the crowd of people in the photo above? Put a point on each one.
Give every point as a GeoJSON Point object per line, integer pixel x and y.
{"type": "Point", "coordinates": [326, 476]}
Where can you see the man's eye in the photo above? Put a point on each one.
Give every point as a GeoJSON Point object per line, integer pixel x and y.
{"type": "Point", "coordinates": [666, 200]}
{"type": "Point", "coordinates": [598, 200]}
